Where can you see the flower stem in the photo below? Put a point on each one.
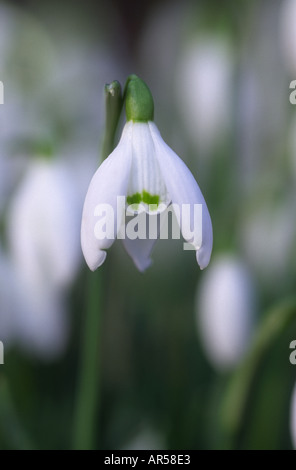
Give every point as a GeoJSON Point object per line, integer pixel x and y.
{"type": "Point", "coordinates": [113, 106]}
{"type": "Point", "coordinates": [88, 388]}
{"type": "Point", "coordinates": [89, 380]}
{"type": "Point", "coordinates": [10, 425]}
{"type": "Point", "coordinates": [237, 401]}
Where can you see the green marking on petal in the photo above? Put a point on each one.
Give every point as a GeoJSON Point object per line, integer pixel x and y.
{"type": "Point", "coordinates": [149, 199]}
{"type": "Point", "coordinates": [134, 199]}
{"type": "Point", "coordinates": [145, 197]}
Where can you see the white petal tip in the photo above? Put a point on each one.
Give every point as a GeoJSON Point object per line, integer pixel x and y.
{"type": "Point", "coordinates": [94, 262]}
{"type": "Point", "coordinates": [143, 266]}
{"type": "Point", "coordinates": [203, 258]}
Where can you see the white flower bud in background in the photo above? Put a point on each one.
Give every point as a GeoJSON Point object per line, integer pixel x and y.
{"type": "Point", "coordinates": [44, 225]}
{"type": "Point", "coordinates": [268, 234]}
{"type": "Point", "coordinates": [43, 233]}
{"type": "Point", "coordinates": [204, 87]}
{"type": "Point", "coordinates": [288, 34]}
{"type": "Point", "coordinates": [293, 418]}
{"type": "Point", "coordinates": [225, 311]}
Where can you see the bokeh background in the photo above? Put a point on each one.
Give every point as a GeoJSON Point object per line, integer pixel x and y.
{"type": "Point", "coordinates": [170, 342]}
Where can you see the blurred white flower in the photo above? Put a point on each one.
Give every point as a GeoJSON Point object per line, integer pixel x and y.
{"type": "Point", "coordinates": [225, 311]}
{"type": "Point", "coordinates": [288, 34]}
{"type": "Point", "coordinates": [43, 232]}
{"type": "Point", "coordinates": [268, 234]}
{"type": "Point", "coordinates": [43, 225]}
{"type": "Point", "coordinates": [203, 88]}
{"type": "Point", "coordinates": [41, 323]}
{"type": "Point", "coordinates": [293, 417]}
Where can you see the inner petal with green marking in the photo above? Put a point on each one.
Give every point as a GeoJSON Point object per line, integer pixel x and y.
{"type": "Point", "coordinates": [152, 201]}
{"type": "Point", "coordinates": [146, 184]}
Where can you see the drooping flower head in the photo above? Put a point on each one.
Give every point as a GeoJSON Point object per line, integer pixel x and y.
{"type": "Point", "coordinates": [142, 176]}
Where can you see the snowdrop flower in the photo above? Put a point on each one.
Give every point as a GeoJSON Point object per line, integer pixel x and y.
{"type": "Point", "coordinates": [293, 418]}
{"type": "Point", "coordinates": [224, 307]}
{"type": "Point", "coordinates": [143, 170]}
{"type": "Point", "coordinates": [43, 232]}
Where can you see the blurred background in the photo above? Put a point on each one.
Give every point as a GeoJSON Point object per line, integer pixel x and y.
{"type": "Point", "coordinates": [178, 350]}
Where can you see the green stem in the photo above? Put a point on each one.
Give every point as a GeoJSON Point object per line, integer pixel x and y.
{"type": "Point", "coordinates": [237, 401]}
{"type": "Point", "coordinates": [88, 388]}
{"type": "Point", "coordinates": [10, 426]}
{"type": "Point", "coordinates": [89, 385]}
{"type": "Point", "coordinates": [113, 106]}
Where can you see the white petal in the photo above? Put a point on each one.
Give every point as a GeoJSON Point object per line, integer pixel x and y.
{"type": "Point", "coordinates": [183, 189]}
{"type": "Point", "coordinates": [140, 249]}
{"type": "Point", "coordinates": [145, 174]}
{"type": "Point", "coordinates": [140, 252]}
{"type": "Point", "coordinates": [110, 180]}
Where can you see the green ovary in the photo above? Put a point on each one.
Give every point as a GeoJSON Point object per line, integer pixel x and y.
{"type": "Point", "coordinates": [145, 197]}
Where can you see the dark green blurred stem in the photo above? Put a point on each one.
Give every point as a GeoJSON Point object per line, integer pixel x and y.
{"type": "Point", "coordinates": [239, 393]}
{"type": "Point", "coordinates": [88, 387]}
{"type": "Point", "coordinates": [10, 426]}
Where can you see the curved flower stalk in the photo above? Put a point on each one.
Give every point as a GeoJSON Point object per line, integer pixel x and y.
{"type": "Point", "coordinates": [43, 223]}
{"type": "Point", "coordinates": [224, 308]}
{"type": "Point", "coordinates": [142, 174]}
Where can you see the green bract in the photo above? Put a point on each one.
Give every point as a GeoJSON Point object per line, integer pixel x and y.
{"type": "Point", "coordinates": [139, 105]}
